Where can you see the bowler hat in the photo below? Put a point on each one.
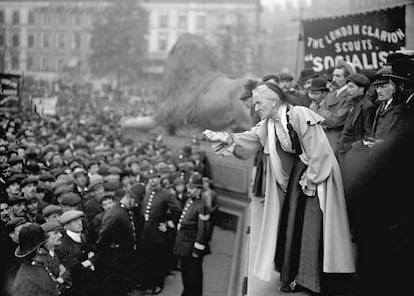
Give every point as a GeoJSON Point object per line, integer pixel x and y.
{"type": "Point", "coordinates": [285, 76]}
{"type": "Point", "coordinates": [318, 84]}
{"type": "Point", "coordinates": [359, 79]}
{"type": "Point", "coordinates": [30, 238]}
{"type": "Point", "coordinates": [306, 74]}
{"type": "Point", "coordinates": [69, 216]}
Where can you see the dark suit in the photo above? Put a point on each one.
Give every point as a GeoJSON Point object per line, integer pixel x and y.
{"type": "Point", "coordinates": [71, 254]}
{"type": "Point", "coordinates": [386, 121]}
{"type": "Point", "coordinates": [192, 239]}
{"type": "Point", "coordinates": [334, 109]}
{"type": "Point", "coordinates": [158, 206]}
{"type": "Point", "coordinates": [116, 243]}
{"type": "Point", "coordinates": [358, 124]}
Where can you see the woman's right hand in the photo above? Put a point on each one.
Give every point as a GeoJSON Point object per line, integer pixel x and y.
{"type": "Point", "coordinates": [213, 136]}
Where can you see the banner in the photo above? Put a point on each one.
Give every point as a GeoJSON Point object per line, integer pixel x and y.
{"type": "Point", "coordinates": [9, 93]}
{"type": "Point", "coordinates": [45, 105]}
{"type": "Point", "coordinates": [363, 39]}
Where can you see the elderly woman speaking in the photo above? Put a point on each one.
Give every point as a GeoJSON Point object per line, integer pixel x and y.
{"type": "Point", "coordinates": [305, 232]}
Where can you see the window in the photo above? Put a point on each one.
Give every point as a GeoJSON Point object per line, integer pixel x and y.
{"type": "Point", "coordinates": [77, 19]}
{"type": "Point", "coordinates": [182, 21]}
{"type": "Point", "coordinates": [30, 40]}
{"type": "Point", "coordinates": [15, 40]}
{"type": "Point", "coordinates": [62, 19]}
{"type": "Point", "coordinates": [45, 64]}
{"type": "Point", "coordinates": [61, 40]}
{"type": "Point", "coordinates": [46, 41]}
{"type": "Point", "coordinates": [76, 43]}
{"type": "Point", "coordinates": [31, 18]}
{"type": "Point", "coordinates": [162, 41]}
{"type": "Point", "coordinates": [16, 17]}
{"type": "Point", "coordinates": [46, 19]}
{"type": "Point", "coordinates": [163, 20]}
{"type": "Point", "coordinates": [221, 20]}
{"type": "Point", "coordinates": [201, 21]}
{"type": "Point", "coordinates": [29, 63]}
{"type": "Point", "coordinates": [59, 64]}
{"type": "Point", "coordinates": [15, 63]}
{"type": "Point", "coordinates": [1, 17]}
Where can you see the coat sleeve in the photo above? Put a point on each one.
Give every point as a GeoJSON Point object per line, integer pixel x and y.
{"type": "Point", "coordinates": [337, 118]}
{"type": "Point", "coordinates": [242, 145]}
{"type": "Point", "coordinates": [108, 228]}
{"type": "Point", "coordinates": [201, 244]}
{"type": "Point", "coordinates": [369, 116]}
{"type": "Point", "coordinates": [173, 207]}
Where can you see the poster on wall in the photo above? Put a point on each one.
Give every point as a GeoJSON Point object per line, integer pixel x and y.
{"type": "Point", "coordinates": [363, 39]}
{"type": "Point", "coordinates": [9, 93]}
{"type": "Point", "coordinates": [45, 105]}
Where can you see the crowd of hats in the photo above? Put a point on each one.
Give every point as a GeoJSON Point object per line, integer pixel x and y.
{"type": "Point", "coordinates": [51, 154]}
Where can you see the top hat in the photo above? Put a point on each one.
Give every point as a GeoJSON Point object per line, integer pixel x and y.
{"type": "Point", "coordinates": [30, 238]}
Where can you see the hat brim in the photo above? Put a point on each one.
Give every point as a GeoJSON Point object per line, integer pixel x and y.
{"type": "Point", "coordinates": [18, 253]}
{"type": "Point", "coordinates": [319, 89]}
{"type": "Point", "coordinates": [380, 81]}
{"type": "Point", "coordinates": [72, 219]}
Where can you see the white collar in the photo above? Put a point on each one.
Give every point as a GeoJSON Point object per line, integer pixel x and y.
{"type": "Point", "coordinates": [74, 235]}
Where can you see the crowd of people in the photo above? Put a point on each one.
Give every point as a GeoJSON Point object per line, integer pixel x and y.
{"type": "Point", "coordinates": [85, 211]}
{"type": "Point", "coordinates": [327, 151]}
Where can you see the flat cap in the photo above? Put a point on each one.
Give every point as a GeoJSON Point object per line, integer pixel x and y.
{"type": "Point", "coordinates": [51, 209]}
{"type": "Point", "coordinates": [94, 181]}
{"type": "Point", "coordinates": [113, 170]}
{"type": "Point", "coordinates": [14, 160]}
{"type": "Point", "coordinates": [15, 178]}
{"type": "Point", "coordinates": [46, 177]}
{"type": "Point", "coordinates": [69, 216]}
{"type": "Point", "coordinates": [51, 226]}
{"type": "Point", "coordinates": [359, 79]}
{"type": "Point", "coordinates": [70, 199]}
{"type": "Point", "coordinates": [27, 181]}
{"type": "Point", "coordinates": [13, 223]}
{"type": "Point", "coordinates": [79, 170]}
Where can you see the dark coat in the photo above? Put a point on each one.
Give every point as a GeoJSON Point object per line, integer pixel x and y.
{"type": "Point", "coordinates": [386, 121]}
{"type": "Point", "coordinates": [193, 229]}
{"type": "Point", "coordinates": [71, 254]}
{"type": "Point", "coordinates": [334, 109]}
{"type": "Point", "coordinates": [358, 124]}
{"type": "Point", "coordinates": [32, 279]}
{"type": "Point", "coordinates": [116, 230]}
{"type": "Point", "coordinates": [163, 207]}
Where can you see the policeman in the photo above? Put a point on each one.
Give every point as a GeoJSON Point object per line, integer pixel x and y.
{"type": "Point", "coordinates": [158, 207]}
{"type": "Point", "coordinates": [191, 243]}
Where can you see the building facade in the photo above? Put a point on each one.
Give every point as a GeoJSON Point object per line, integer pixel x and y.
{"type": "Point", "coordinates": [43, 37]}
{"type": "Point", "coordinates": [214, 19]}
